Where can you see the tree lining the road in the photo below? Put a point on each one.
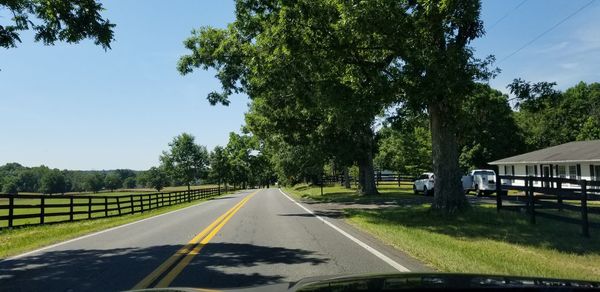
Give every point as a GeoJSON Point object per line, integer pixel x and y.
{"type": "Point", "coordinates": [185, 160]}
{"type": "Point", "coordinates": [247, 161]}
{"type": "Point", "coordinates": [350, 61]}
{"type": "Point", "coordinates": [488, 131]}
{"type": "Point", "coordinates": [66, 20]}
{"type": "Point", "coordinates": [291, 72]}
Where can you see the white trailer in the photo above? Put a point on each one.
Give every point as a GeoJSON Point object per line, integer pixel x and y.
{"type": "Point", "coordinates": [482, 181]}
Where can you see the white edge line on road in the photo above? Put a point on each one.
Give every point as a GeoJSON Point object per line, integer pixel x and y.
{"type": "Point", "coordinates": [375, 252]}
{"type": "Point", "coordinates": [98, 233]}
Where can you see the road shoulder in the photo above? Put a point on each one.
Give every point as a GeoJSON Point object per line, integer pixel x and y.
{"type": "Point", "coordinates": [333, 213]}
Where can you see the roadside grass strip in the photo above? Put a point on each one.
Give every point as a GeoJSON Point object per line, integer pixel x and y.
{"type": "Point", "coordinates": [481, 240]}
{"type": "Point", "coordinates": [484, 241]}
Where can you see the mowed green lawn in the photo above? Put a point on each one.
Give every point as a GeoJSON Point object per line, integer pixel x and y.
{"type": "Point", "coordinates": [478, 241]}
{"type": "Point", "coordinates": [98, 204]}
{"type": "Point", "coordinates": [337, 193]}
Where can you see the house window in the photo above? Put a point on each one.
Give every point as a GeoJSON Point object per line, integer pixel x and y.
{"type": "Point", "coordinates": [595, 172]}
{"type": "Point", "coordinates": [573, 171]}
{"type": "Point", "coordinates": [561, 171]}
{"type": "Point", "coordinates": [530, 170]}
{"type": "Point", "coordinates": [509, 170]}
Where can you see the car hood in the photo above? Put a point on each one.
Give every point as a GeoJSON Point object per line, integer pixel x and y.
{"type": "Point", "coordinates": [411, 281]}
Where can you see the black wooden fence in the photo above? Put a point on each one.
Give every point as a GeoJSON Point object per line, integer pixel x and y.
{"type": "Point", "coordinates": [22, 210]}
{"type": "Point", "coordinates": [379, 177]}
{"type": "Point", "coordinates": [543, 193]}
{"type": "Point", "coordinates": [382, 177]}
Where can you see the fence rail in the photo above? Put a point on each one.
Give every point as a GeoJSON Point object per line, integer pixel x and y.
{"type": "Point", "coordinates": [549, 193]}
{"type": "Point", "coordinates": [379, 177]}
{"type": "Point", "coordinates": [25, 210]}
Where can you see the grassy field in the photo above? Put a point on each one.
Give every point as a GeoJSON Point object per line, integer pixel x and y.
{"type": "Point", "coordinates": [112, 203]}
{"type": "Point", "coordinates": [19, 240]}
{"type": "Point", "coordinates": [479, 241]}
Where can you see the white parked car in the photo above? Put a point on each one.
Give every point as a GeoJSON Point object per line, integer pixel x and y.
{"type": "Point", "coordinates": [424, 183]}
{"type": "Point", "coordinates": [482, 181]}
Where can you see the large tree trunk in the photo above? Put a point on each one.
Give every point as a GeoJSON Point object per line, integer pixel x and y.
{"type": "Point", "coordinates": [366, 168]}
{"type": "Point", "coordinates": [367, 176]}
{"type": "Point", "coordinates": [347, 178]}
{"type": "Point", "coordinates": [448, 194]}
{"type": "Point", "coordinates": [361, 176]}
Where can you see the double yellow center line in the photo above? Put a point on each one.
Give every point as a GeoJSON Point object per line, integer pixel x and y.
{"type": "Point", "coordinates": [178, 261]}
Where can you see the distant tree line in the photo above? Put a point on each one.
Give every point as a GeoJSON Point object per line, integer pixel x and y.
{"type": "Point", "coordinates": [15, 178]}
{"type": "Point", "coordinates": [243, 162]}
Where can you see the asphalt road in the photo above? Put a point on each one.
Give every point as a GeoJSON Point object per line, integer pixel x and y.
{"type": "Point", "coordinates": [251, 238]}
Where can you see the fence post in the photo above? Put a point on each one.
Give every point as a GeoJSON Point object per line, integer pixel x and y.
{"type": "Point", "coordinates": [71, 208]}
{"type": "Point", "coordinates": [559, 195]}
{"type": "Point", "coordinates": [141, 204]}
{"type": "Point", "coordinates": [131, 203]}
{"type": "Point", "coordinates": [170, 199]}
{"type": "Point", "coordinates": [529, 184]}
{"type": "Point", "coordinates": [498, 193]}
{"type": "Point", "coordinates": [119, 204]}
{"type": "Point", "coordinates": [89, 207]}
{"type": "Point", "coordinates": [42, 209]}
{"type": "Point", "coordinates": [11, 209]}
{"type": "Point", "coordinates": [585, 228]}
{"type": "Point", "coordinates": [321, 183]}
{"type": "Point", "coordinates": [105, 206]}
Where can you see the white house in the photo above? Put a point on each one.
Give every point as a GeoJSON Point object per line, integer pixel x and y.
{"type": "Point", "coordinates": [574, 160]}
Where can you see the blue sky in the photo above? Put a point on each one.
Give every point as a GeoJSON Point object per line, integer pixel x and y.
{"type": "Point", "coordinates": [79, 107]}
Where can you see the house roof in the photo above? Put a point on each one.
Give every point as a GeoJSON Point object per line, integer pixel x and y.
{"type": "Point", "coordinates": [580, 151]}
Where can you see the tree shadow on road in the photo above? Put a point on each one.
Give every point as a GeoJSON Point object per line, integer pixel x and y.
{"type": "Point", "coordinates": [122, 268]}
{"type": "Point", "coordinates": [248, 265]}
{"type": "Point", "coordinates": [323, 213]}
